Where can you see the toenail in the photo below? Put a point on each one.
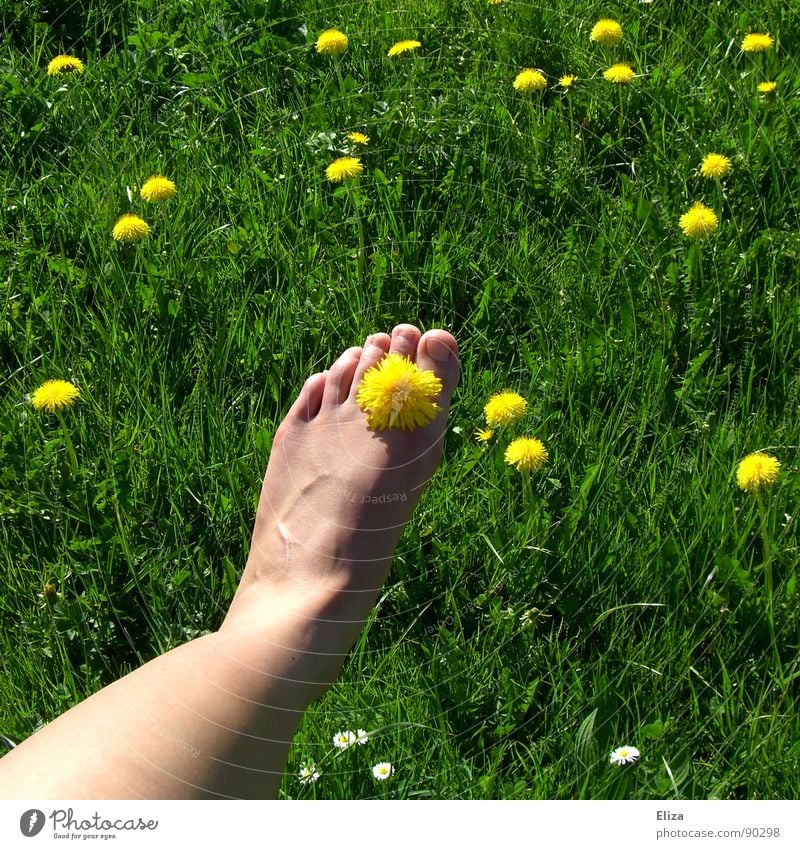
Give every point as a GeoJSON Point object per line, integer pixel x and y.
{"type": "Point", "coordinates": [372, 350]}
{"type": "Point", "coordinates": [438, 351]}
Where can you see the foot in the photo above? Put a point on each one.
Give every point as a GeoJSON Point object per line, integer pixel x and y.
{"type": "Point", "coordinates": [337, 495]}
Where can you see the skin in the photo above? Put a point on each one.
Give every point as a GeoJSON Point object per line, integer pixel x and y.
{"type": "Point", "coordinates": [214, 718]}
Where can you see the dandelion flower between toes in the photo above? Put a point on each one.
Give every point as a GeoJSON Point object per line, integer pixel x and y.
{"type": "Point", "coordinates": [157, 188]}
{"type": "Point", "coordinates": [756, 471]}
{"type": "Point", "coordinates": [397, 393]}
{"type": "Point", "coordinates": [606, 31]}
{"type": "Point", "coordinates": [344, 168]}
{"type": "Point", "coordinates": [624, 755]}
{"type": "Point", "coordinates": [64, 64]}
{"type": "Point", "coordinates": [332, 42]}
{"type": "Point", "coordinates": [130, 228]}
{"type": "Point", "coordinates": [55, 395]}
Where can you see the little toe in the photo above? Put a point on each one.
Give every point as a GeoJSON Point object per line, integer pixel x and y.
{"type": "Point", "coordinates": [337, 386]}
{"type": "Point", "coordinates": [437, 351]}
{"type": "Point", "coordinates": [375, 349]}
{"type": "Point", "coordinates": [404, 340]}
{"type": "Point", "coordinates": [309, 400]}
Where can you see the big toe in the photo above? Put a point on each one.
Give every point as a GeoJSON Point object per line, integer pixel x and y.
{"type": "Point", "coordinates": [437, 351]}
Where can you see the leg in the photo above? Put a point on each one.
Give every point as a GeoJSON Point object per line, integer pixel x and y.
{"type": "Point", "coordinates": [214, 718]}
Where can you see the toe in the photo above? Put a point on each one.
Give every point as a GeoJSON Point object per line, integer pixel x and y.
{"type": "Point", "coordinates": [309, 400]}
{"type": "Point", "coordinates": [437, 351]}
{"type": "Point", "coordinates": [404, 340]}
{"type": "Point", "coordinates": [375, 348]}
{"type": "Point", "coordinates": [337, 386]}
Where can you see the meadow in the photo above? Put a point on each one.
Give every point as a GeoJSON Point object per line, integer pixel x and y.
{"type": "Point", "coordinates": [627, 593]}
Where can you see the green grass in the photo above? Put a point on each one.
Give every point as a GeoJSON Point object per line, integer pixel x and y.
{"type": "Point", "coordinates": [543, 231]}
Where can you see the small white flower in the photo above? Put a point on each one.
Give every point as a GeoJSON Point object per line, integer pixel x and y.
{"type": "Point", "coordinates": [382, 771]}
{"type": "Point", "coordinates": [308, 774]}
{"type": "Point", "coordinates": [624, 755]}
{"type": "Point", "coordinates": [362, 738]}
{"type": "Point", "coordinates": [344, 739]}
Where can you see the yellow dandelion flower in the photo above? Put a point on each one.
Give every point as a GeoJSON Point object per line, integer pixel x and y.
{"type": "Point", "coordinates": [49, 591]}
{"type": "Point", "coordinates": [55, 395]}
{"type": "Point", "coordinates": [620, 74]}
{"type": "Point", "coordinates": [65, 65]}
{"type": "Point", "coordinates": [158, 188]}
{"type": "Point", "coordinates": [757, 470]}
{"type": "Point", "coordinates": [767, 87]}
{"type": "Point", "coordinates": [699, 221]}
{"type": "Point", "coordinates": [527, 454]}
{"type": "Point", "coordinates": [343, 169]}
{"type": "Point", "coordinates": [332, 43]}
{"type": "Point", "coordinates": [757, 42]}
{"type": "Point", "coordinates": [504, 407]}
{"type": "Point", "coordinates": [530, 80]}
{"type": "Point", "coordinates": [484, 434]}
{"type": "Point", "coordinates": [358, 138]}
{"type": "Point", "coordinates": [714, 166]}
{"type": "Point", "coordinates": [496, 2]}
{"type": "Point", "coordinates": [397, 393]}
{"type": "Point", "coordinates": [567, 81]}
{"type": "Point", "coordinates": [130, 228]}
{"type": "Point", "coordinates": [403, 47]}
{"type": "Point", "coordinates": [606, 31]}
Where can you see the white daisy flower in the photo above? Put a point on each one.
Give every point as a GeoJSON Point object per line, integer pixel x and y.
{"type": "Point", "coordinates": [343, 739]}
{"type": "Point", "coordinates": [625, 755]}
{"type": "Point", "coordinates": [362, 738]}
{"type": "Point", "coordinates": [308, 774]}
{"type": "Point", "coordinates": [382, 771]}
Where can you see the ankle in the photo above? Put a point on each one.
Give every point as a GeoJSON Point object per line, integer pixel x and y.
{"type": "Point", "coordinates": [345, 596]}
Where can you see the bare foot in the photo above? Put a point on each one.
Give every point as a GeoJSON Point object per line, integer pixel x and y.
{"type": "Point", "coordinates": [215, 717]}
{"type": "Point", "coordinates": [336, 495]}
